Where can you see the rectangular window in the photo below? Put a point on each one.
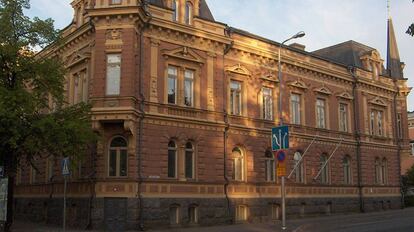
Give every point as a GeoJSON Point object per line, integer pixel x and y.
{"type": "Point", "coordinates": [379, 121]}
{"type": "Point", "coordinates": [193, 215]}
{"type": "Point", "coordinates": [267, 103]}
{"type": "Point", "coordinates": [174, 215]}
{"type": "Point", "coordinates": [50, 169]}
{"type": "Point", "coordinates": [238, 169]}
{"type": "Point", "coordinates": [112, 163]}
{"type": "Point", "coordinates": [76, 89]}
{"type": "Point", "coordinates": [399, 127]}
{"type": "Point", "coordinates": [172, 85]}
{"type": "Point", "coordinates": [189, 88]}
{"type": "Point", "coordinates": [320, 113]}
{"type": "Point", "coordinates": [270, 170]}
{"type": "Point", "coordinates": [113, 74]}
{"type": "Point", "coordinates": [123, 163]}
{"type": "Point", "coordinates": [343, 117]}
{"type": "Point", "coordinates": [275, 211]}
{"type": "Point", "coordinates": [295, 109]}
{"type": "Point", "coordinates": [171, 163]}
{"type": "Point", "coordinates": [241, 213]}
{"type": "Point", "coordinates": [115, 2]}
{"type": "Point", "coordinates": [235, 98]}
{"type": "Point", "coordinates": [412, 148]}
{"type": "Point", "coordinates": [372, 122]}
{"type": "Point", "coordinates": [189, 164]}
{"type": "Point", "coordinates": [33, 173]}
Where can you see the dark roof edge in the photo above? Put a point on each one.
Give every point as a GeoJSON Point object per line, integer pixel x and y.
{"type": "Point", "coordinates": [253, 36]}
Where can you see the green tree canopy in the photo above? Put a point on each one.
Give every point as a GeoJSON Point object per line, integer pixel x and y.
{"type": "Point", "coordinates": [34, 119]}
{"type": "Point", "coordinates": [410, 30]}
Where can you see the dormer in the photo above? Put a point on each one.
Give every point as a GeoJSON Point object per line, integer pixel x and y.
{"type": "Point", "coordinates": [79, 8]}
{"type": "Point", "coordinates": [184, 11]}
{"type": "Point", "coordinates": [372, 62]}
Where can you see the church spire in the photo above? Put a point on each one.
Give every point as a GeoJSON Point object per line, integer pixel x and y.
{"type": "Point", "coordinates": [394, 65]}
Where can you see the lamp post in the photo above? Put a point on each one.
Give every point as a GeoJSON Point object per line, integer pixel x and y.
{"type": "Point", "coordinates": [283, 190]}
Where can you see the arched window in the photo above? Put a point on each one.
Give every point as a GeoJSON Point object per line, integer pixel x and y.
{"type": "Point", "coordinates": [175, 9]}
{"type": "Point", "coordinates": [378, 174]}
{"type": "Point", "coordinates": [269, 166]}
{"type": "Point", "coordinates": [238, 164]}
{"type": "Point", "coordinates": [299, 175]}
{"type": "Point", "coordinates": [384, 171]}
{"type": "Point", "coordinates": [188, 13]}
{"type": "Point", "coordinates": [172, 160]}
{"type": "Point", "coordinates": [118, 157]}
{"type": "Point", "coordinates": [346, 162]}
{"type": "Point", "coordinates": [189, 161]}
{"type": "Point", "coordinates": [325, 170]}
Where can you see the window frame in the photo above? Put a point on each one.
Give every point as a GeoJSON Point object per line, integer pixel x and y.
{"type": "Point", "coordinates": [118, 154]}
{"type": "Point", "coordinates": [241, 160]}
{"type": "Point", "coordinates": [193, 161]}
{"type": "Point", "coordinates": [113, 92]}
{"type": "Point", "coordinates": [343, 117]}
{"type": "Point", "coordinates": [321, 115]}
{"type": "Point", "coordinates": [191, 80]}
{"type": "Point", "coordinates": [233, 93]}
{"type": "Point", "coordinates": [270, 166]}
{"type": "Point", "coordinates": [175, 150]}
{"type": "Point", "coordinates": [294, 118]}
{"type": "Point", "coordinates": [188, 16]}
{"type": "Point", "coordinates": [300, 168]}
{"type": "Point", "coordinates": [267, 103]}
{"type": "Point", "coordinates": [347, 170]}
{"type": "Point", "coordinates": [175, 6]}
{"type": "Point", "coordinates": [325, 172]}
{"type": "Point", "coordinates": [242, 213]}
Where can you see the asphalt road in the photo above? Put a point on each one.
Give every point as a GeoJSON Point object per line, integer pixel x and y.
{"type": "Point", "coordinates": [385, 221]}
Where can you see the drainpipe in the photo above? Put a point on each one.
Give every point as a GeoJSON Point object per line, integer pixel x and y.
{"type": "Point", "coordinates": [141, 117]}
{"type": "Point", "coordinates": [398, 139]}
{"type": "Point", "coordinates": [357, 136]}
{"type": "Point", "coordinates": [227, 125]}
{"type": "Point", "coordinates": [92, 178]}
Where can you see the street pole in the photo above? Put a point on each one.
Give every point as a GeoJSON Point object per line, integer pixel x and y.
{"type": "Point", "coordinates": [282, 188]}
{"type": "Point", "coordinates": [64, 203]}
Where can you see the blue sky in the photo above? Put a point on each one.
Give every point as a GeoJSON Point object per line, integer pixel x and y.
{"type": "Point", "coordinates": [326, 22]}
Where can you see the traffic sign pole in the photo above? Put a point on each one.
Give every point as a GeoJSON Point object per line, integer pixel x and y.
{"type": "Point", "coordinates": [64, 203]}
{"type": "Point", "coordinates": [283, 192]}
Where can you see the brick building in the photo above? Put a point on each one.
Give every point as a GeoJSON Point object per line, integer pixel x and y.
{"type": "Point", "coordinates": [184, 106]}
{"type": "Point", "coordinates": [407, 161]}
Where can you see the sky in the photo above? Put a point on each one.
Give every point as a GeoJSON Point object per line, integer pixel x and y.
{"type": "Point", "coordinates": [325, 22]}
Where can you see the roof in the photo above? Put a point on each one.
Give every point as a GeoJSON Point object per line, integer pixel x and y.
{"type": "Point", "coordinates": [347, 53]}
{"type": "Point", "coordinates": [205, 12]}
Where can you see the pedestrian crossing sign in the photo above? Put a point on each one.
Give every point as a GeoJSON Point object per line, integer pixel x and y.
{"type": "Point", "coordinates": [65, 167]}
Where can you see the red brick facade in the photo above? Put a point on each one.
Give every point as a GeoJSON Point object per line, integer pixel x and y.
{"type": "Point", "coordinates": [149, 42]}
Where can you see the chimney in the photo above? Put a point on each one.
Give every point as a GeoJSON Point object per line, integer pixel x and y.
{"type": "Point", "coordinates": [298, 46]}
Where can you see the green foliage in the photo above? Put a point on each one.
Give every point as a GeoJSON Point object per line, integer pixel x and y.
{"type": "Point", "coordinates": [30, 125]}
{"type": "Point", "coordinates": [410, 176]}
{"type": "Point", "coordinates": [410, 30]}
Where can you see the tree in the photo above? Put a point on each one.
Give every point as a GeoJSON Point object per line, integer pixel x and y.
{"type": "Point", "coordinates": [35, 121]}
{"type": "Point", "coordinates": [410, 30]}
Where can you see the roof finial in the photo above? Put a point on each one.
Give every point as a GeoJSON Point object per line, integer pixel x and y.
{"type": "Point", "coordinates": [388, 9]}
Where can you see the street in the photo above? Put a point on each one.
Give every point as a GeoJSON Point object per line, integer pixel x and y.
{"type": "Point", "coordinates": [385, 221]}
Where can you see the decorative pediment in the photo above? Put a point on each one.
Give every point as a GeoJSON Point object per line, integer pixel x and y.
{"type": "Point", "coordinates": [75, 58]}
{"type": "Point", "coordinates": [378, 101]}
{"type": "Point", "coordinates": [323, 90]}
{"type": "Point", "coordinates": [239, 69]}
{"type": "Point", "coordinates": [298, 84]}
{"type": "Point", "coordinates": [269, 77]}
{"type": "Point", "coordinates": [184, 53]}
{"type": "Point", "coordinates": [345, 95]}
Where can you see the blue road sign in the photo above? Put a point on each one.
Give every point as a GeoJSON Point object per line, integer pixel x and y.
{"type": "Point", "coordinates": [65, 167]}
{"type": "Point", "coordinates": [281, 156]}
{"type": "Point", "coordinates": [280, 138]}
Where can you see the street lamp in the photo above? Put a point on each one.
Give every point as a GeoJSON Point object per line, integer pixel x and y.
{"type": "Point", "coordinates": [297, 35]}
{"type": "Point", "coordinates": [283, 191]}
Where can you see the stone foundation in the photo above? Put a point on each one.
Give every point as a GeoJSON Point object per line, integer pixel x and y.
{"type": "Point", "coordinates": [120, 214]}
